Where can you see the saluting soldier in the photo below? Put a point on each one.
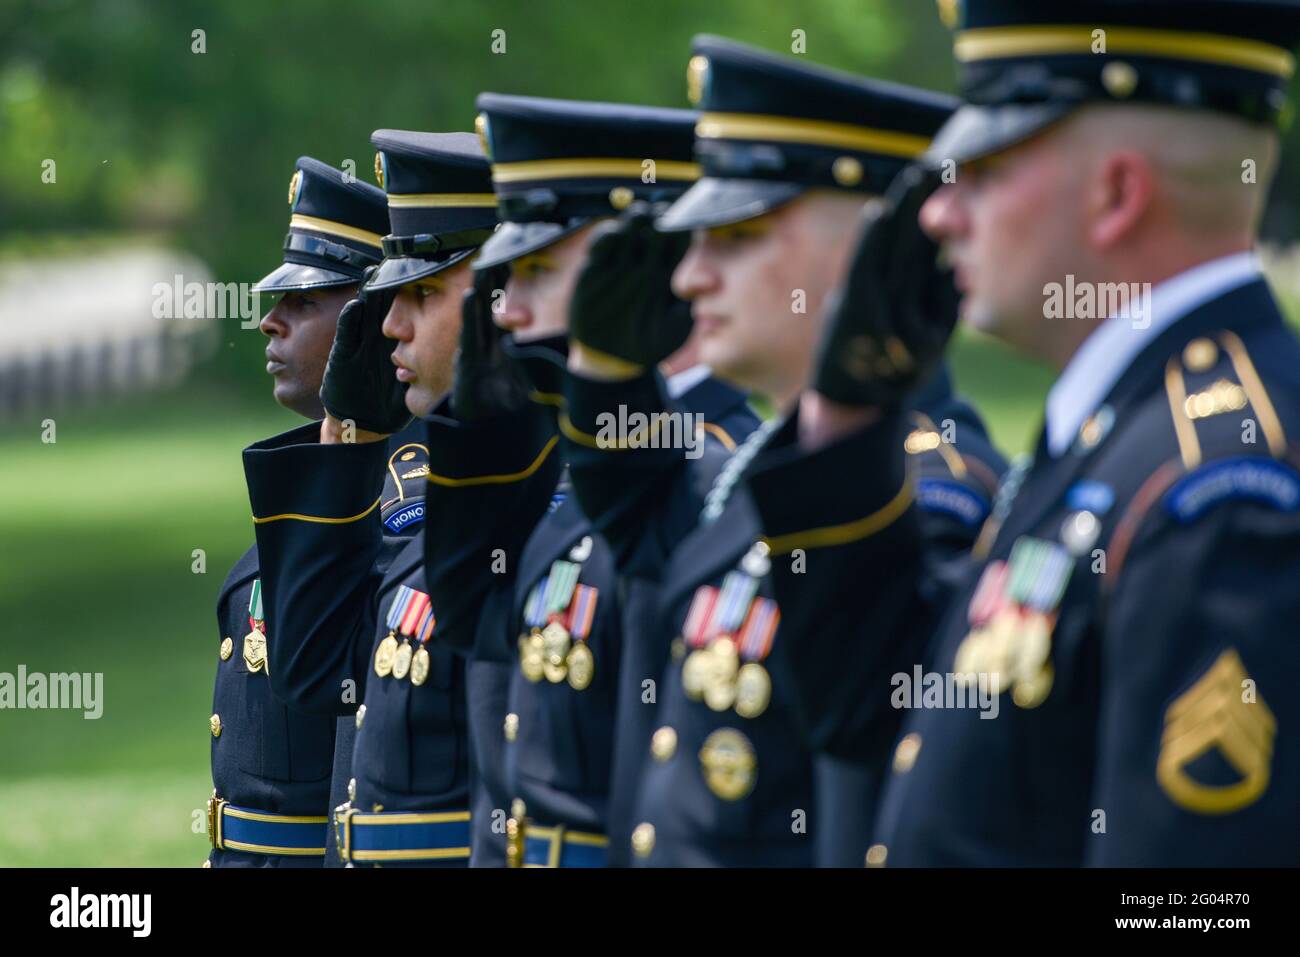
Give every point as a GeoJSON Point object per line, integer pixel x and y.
{"type": "Point", "coordinates": [361, 630]}
{"type": "Point", "coordinates": [271, 762]}
{"type": "Point", "coordinates": [1130, 610]}
{"type": "Point", "coordinates": [789, 152]}
{"type": "Point", "coordinates": [548, 632]}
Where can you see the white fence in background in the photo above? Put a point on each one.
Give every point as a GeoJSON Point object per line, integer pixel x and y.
{"type": "Point", "coordinates": [77, 330]}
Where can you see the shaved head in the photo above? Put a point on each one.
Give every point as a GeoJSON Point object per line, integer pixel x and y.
{"type": "Point", "coordinates": [1129, 194]}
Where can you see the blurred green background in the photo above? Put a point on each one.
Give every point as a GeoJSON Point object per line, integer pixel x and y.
{"type": "Point", "coordinates": [193, 151]}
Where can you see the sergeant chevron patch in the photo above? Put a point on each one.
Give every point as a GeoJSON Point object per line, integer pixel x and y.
{"type": "Point", "coordinates": [1216, 714]}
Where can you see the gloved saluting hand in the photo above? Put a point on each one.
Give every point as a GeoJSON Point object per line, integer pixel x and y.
{"type": "Point", "coordinates": [889, 323]}
{"type": "Point", "coordinates": [488, 383]}
{"type": "Point", "coordinates": [360, 381]}
{"type": "Point", "coordinates": [623, 305]}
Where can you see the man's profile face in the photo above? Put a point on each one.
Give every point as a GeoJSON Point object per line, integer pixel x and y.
{"type": "Point", "coordinates": [1009, 224]}
{"type": "Point", "coordinates": [757, 288]}
{"type": "Point", "coordinates": [301, 329]}
{"type": "Point", "coordinates": [540, 289]}
{"type": "Point", "coordinates": [425, 319]}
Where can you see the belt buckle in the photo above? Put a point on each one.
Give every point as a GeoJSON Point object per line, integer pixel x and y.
{"type": "Point", "coordinates": [343, 830]}
{"type": "Point", "coordinates": [215, 804]}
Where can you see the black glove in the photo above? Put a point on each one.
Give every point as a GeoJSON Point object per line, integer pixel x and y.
{"type": "Point", "coordinates": [360, 382]}
{"type": "Point", "coordinates": [889, 322]}
{"type": "Point", "coordinates": [488, 382]}
{"type": "Point", "coordinates": [623, 305]}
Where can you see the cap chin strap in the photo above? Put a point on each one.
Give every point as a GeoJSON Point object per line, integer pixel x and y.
{"type": "Point", "coordinates": [327, 249]}
{"type": "Point", "coordinates": [431, 245]}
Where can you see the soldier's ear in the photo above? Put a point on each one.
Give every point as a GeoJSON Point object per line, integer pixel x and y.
{"type": "Point", "coordinates": [1118, 196]}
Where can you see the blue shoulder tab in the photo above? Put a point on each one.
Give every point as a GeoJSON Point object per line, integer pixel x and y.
{"type": "Point", "coordinates": [1256, 479]}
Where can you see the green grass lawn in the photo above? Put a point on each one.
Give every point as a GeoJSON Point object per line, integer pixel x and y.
{"type": "Point", "coordinates": [97, 532]}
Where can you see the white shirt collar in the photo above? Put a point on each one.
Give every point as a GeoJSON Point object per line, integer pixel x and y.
{"type": "Point", "coordinates": [679, 383]}
{"type": "Point", "coordinates": [1111, 348]}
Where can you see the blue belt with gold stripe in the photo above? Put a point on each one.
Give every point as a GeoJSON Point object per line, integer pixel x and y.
{"type": "Point", "coordinates": [560, 847]}
{"type": "Point", "coordinates": [232, 828]}
{"type": "Point", "coordinates": [377, 836]}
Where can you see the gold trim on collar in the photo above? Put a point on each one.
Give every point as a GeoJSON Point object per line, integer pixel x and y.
{"type": "Point", "coordinates": [329, 226]}
{"type": "Point", "coordinates": [317, 519]}
{"type": "Point", "coordinates": [786, 129]}
{"type": "Point", "coordinates": [991, 43]}
{"type": "Point", "coordinates": [442, 200]}
{"type": "Point", "coordinates": [611, 167]}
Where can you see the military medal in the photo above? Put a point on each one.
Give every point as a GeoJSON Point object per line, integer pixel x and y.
{"type": "Point", "coordinates": [255, 640]}
{"type": "Point", "coordinates": [729, 764]}
{"type": "Point", "coordinates": [694, 636]}
{"type": "Point", "coordinates": [580, 664]}
{"type": "Point", "coordinates": [530, 655]}
{"type": "Point", "coordinates": [753, 684]}
{"type": "Point", "coordinates": [384, 655]}
{"type": "Point", "coordinates": [405, 615]}
{"type": "Point", "coordinates": [402, 660]}
{"type": "Point", "coordinates": [720, 679]}
{"type": "Point", "coordinates": [531, 659]}
{"type": "Point", "coordinates": [738, 591]}
{"type": "Point", "coordinates": [560, 583]}
{"type": "Point", "coordinates": [1012, 614]}
{"type": "Point", "coordinates": [420, 663]}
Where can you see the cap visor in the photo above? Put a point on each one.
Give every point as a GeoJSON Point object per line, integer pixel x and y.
{"type": "Point", "coordinates": [974, 132]}
{"type": "Point", "coordinates": [289, 277]}
{"type": "Point", "coordinates": [399, 270]}
{"type": "Point", "coordinates": [720, 202]}
{"type": "Point", "coordinates": [512, 240]}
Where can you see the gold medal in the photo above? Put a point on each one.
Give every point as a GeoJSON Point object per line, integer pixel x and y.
{"type": "Point", "coordinates": [530, 656]}
{"type": "Point", "coordinates": [420, 666]}
{"type": "Point", "coordinates": [719, 692]}
{"type": "Point", "coordinates": [727, 655]}
{"type": "Point", "coordinates": [753, 690]}
{"type": "Point", "coordinates": [555, 673]}
{"type": "Point", "coordinates": [581, 665]}
{"type": "Point", "coordinates": [966, 665]}
{"type": "Point", "coordinates": [720, 679]}
{"type": "Point", "coordinates": [1030, 693]}
{"type": "Point", "coordinates": [1000, 648]}
{"type": "Point", "coordinates": [1034, 645]}
{"type": "Point", "coordinates": [555, 643]}
{"type": "Point", "coordinates": [694, 670]}
{"type": "Point", "coordinates": [402, 661]}
{"type": "Point", "coordinates": [384, 656]}
{"type": "Point", "coordinates": [255, 650]}
{"type": "Point", "coordinates": [729, 765]}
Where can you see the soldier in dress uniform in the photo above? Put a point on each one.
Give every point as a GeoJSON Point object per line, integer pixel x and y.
{"type": "Point", "coordinates": [548, 632]}
{"type": "Point", "coordinates": [360, 628]}
{"type": "Point", "coordinates": [1128, 616]}
{"type": "Point", "coordinates": [789, 152]}
{"type": "Point", "coordinates": [270, 759]}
